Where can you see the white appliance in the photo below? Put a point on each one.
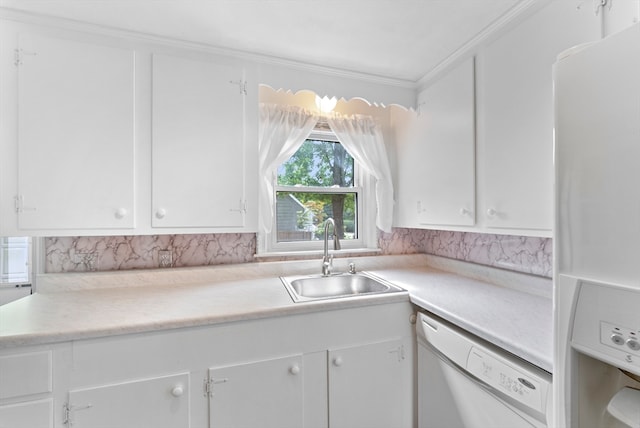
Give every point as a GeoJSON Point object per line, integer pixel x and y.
{"type": "Point", "coordinates": [465, 382]}
{"type": "Point", "coordinates": [597, 235]}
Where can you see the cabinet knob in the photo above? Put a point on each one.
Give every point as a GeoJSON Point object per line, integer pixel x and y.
{"type": "Point", "coordinates": [337, 361]}
{"type": "Point", "coordinates": [160, 213]}
{"type": "Point", "coordinates": [491, 212]}
{"type": "Point", "coordinates": [177, 391]}
{"type": "Point", "coordinates": [120, 213]}
{"type": "Point", "coordinates": [294, 370]}
{"type": "Point", "coordinates": [464, 211]}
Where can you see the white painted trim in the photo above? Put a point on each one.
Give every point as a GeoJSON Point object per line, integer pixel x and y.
{"type": "Point", "coordinates": [69, 24]}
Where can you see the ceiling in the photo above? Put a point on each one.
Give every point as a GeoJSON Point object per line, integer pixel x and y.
{"type": "Point", "coordinates": [398, 39]}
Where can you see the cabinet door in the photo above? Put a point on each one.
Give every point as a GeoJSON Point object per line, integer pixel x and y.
{"type": "Point", "coordinates": [517, 163]}
{"type": "Point", "coordinates": [198, 144]}
{"type": "Point", "coordinates": [436, 154]}
{"type": "Point", "coordinates": [155, 402]}
{"type": "Point", "coordinates": [75, 135]}
{"type": "Point", "coordinates": [265, 394]}
{"type": "Point", "coordinates": [370, 386]}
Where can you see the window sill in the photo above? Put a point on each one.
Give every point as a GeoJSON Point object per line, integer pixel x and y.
{"type": "Point", "coordinates": [316, 254]}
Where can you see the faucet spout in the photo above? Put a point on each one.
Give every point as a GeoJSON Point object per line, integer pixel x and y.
{"type": "Point", "coordinates": [327, 260]}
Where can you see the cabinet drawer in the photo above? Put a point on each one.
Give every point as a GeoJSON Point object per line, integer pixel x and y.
{"type": "Point", "coordinates": [30, 414]}
{"type": "Point", "coordinates": [25, 374]}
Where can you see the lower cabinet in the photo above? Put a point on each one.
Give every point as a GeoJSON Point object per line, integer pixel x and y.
{"type": "Point", "coordinates": [266, 394]}
{"type": "Point", "coordinates": [347, 368]}
{"type": "Point", "coordinates": [356, 386]}
{"type": "Point", "coordinates": [155, 402]}
{"type": "Point", "coordinates": [365, 384]}
{"type": "Point", "coordinates": [29, 414]}
{"type": "Point", "coordinates": [26, 386]}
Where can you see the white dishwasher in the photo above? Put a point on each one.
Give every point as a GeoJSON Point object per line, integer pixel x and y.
{"type": "Point", "coordinates": [464, 382]}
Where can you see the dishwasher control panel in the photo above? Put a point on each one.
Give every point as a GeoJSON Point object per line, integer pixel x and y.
{"type": "Point", "coordinates": [523, 387]}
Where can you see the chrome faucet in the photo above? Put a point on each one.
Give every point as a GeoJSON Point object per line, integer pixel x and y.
{"type": "Point", "coordinates": [327, 260]}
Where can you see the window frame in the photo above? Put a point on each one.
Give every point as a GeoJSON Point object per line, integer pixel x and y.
{"type": "Point", "coordinates": [365, 208]}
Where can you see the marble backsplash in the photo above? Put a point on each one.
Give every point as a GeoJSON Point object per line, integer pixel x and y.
{"type": "Point", "coordinates": [524, 254]}
{"type": "Point", "coordinates": [107, 253]}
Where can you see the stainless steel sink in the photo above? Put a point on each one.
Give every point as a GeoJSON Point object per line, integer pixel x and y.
{"type": "Point", "coordinates": [318, 287]}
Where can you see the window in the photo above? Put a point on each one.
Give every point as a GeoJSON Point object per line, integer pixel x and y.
{"type": "Point", "coordinates": [15, 261]}
{"type": "Point", "coordinates": [299, 152]}
{"type": "Point", "coordinates": [15, 268]}
{"type": "Point", "coordinates": [319, 181]}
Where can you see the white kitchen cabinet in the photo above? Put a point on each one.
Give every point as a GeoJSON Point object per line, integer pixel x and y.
{"type": "Point", "coordinates": [515, 79]}
{"type": "Point", "coordinates": [28, 414]}
{"type": "Point", "coordinates": [503, 183]}
{"type": "Point", "coordinates": [272, 372]}
{"type": "Point", "coordinates": [113, 135]}
{"type": "Point", "coordinates": [436, 154]}
{"type": "Point", "coordinates": [197, 143]}
{"type": "Point", "coordinates": [75, 157]}
{"type": "Point", "coordinates": [155, 402]}
{"type": "Point", "coordinates": [25, 374]}
{"type": "Point", "coordinates": [362, 381]}
{"type": "Point", "coordinates": [26, 384]}
{"type": "Point", "coordinates": [268, 394]}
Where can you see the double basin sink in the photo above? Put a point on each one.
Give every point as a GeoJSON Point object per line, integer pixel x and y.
{"type": "Point", "coordinates": [303, 288]}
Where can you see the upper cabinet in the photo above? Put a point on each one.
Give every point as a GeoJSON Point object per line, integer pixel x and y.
{"type": "Point", "coordinates": [114, 135]}
{"type": "Point", "coordinates": [436, 154]}
{"type": "Point", "coordinates": [478, 153]}
{"type": "Point", "coordinates": [75, 156]}
{"type": "Point", "coordinates": [197, 143]}
{"type": "Point", "coordinates": [515, 77]}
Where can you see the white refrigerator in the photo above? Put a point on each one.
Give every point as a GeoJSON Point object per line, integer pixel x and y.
{"type": "Point", "coordinates": [597, 233]}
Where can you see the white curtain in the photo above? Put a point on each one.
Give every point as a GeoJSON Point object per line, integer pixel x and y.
{"type": "Point", "coordinates": [283, 129]}
{"type": "Point", "coordinates": [362, 138]}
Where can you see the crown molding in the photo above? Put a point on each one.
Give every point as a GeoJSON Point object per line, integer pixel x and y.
{"type": "Point", "coordinates": [493, 30]}
{"type": "Point", "coordinates": [80, 26]}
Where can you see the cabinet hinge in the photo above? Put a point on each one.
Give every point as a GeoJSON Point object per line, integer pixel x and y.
{"type": "Point", "coordinates": [242, 84]}
{"type": "Point", "coordinates": [400, 352]}
{"type": "Point", "coordinates": [18, 204]}
{"type": "Point", "coordinates": [68, 409]}
{"type": "Point", "coordinates": [208, 385]}
{"type": "Point", "coordinates": [242, 207]}
{"type": "Point", "coordinates": [17, 56]}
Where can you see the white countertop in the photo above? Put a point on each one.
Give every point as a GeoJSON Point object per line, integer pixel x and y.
{"type": "Point", "coordinates": [519, 322]}
{"type": "Point", "coordinates": [511, 310]}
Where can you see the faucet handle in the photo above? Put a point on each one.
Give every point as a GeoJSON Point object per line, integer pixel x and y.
{"type": "Point", "coordinates": [352, 268]}
{"type": "Point", "coordinates": [327, 265]}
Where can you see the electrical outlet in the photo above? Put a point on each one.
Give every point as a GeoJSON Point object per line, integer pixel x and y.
{"type": "Point", "coordinates": [165, 258]}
